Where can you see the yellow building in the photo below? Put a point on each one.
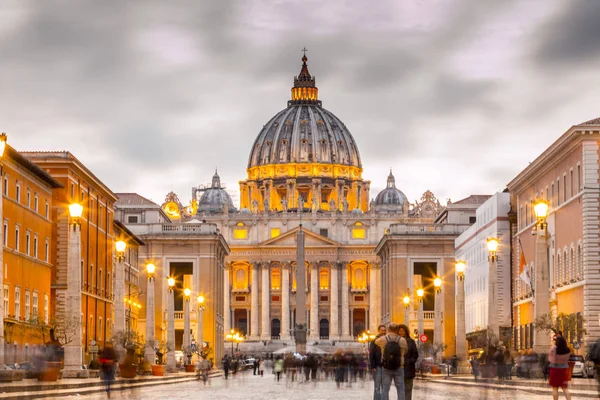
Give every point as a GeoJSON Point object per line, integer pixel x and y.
{"type": "Point", "coordinates": [27, 263]}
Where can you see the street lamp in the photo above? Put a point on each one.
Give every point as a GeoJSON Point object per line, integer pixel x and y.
{"type": "Point", "coordinates": [437, 323]}
{"type": "Point", "coordinates": [200, 299]}
{"type": "Point", "coordinates": [234, 337]}
{"type": "Point", "coordinates": [120, 319]}
{"type": "Point", "coordinates": [406, 301]}
{"type": "Point", "coordinates": [541, 299]}
{"type": "Point", "coordinates": [171, 362]}
{"type": "Point", "coordinates": [73, 350]}
{"type": "Point", "coordinates": [461, 329]}
{"type": "Point", "coordinates": [3, 138]}
{"type": "Point", "coordinates": [420, 316]}
{"type": "Point", "coordinates": [149, 352]}
{"type": "Point", "coordinates": [493, 325]}
{"type": "Point", "coordinates": [187, 340]}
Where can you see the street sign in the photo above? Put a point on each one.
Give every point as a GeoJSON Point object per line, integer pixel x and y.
{"type": "Point", "coordinates": [423, 338]}
{"type": "Point", "coordinates": [554, 338]}
{"type": "Point", "coordinates": [576, 345]}
{"type": "Point", "coordinates": [93, 349]}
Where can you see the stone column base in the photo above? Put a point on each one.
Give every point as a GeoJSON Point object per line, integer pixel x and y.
{"type": "Point", "coordinates": [286, 338]}
{"type": "Point", "coordinates": [265, 337]}
{"type": "Point", "coordinates": [75, 373]}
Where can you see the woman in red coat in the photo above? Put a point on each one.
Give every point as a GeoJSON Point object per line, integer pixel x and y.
{"type": "Point", "coordinates": [559, 367]}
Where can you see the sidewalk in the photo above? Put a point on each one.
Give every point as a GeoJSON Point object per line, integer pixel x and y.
{"type": "Point", "coordinates": [579, 387]}
{"type": "Point", "coordinates": [32, 389]}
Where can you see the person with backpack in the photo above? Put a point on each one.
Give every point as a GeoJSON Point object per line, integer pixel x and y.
{"type": "Point", "coordinates": [393, 347]}
{"type": "Point", "coordinates": [410, 362]}
{"type": "Point", "coordinates": [375, 363]}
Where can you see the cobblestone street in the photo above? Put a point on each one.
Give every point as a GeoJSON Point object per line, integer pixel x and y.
{"type": "Point", "coordinates": [249, 387]}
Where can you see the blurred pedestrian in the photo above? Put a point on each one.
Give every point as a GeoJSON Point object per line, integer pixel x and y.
{"type": "Point", "coordinates": [278, 368]}
{"type": "Point", "coordinates": [375, 362]}
{"type": "Point", "coordinates": [559, 367]}
{"type": "Point", "coordinates": [108, 361]}
{"type": "Point", "coordinates": [226, 366]}
{"type": "Point", "coordinates": [261, 367]}
{"type": "Point", "coordinates": [475, 367]}
{"type": "Point", "coordinates": [393, 347]}
{"type": "Point", "coordinates": [410, 362]}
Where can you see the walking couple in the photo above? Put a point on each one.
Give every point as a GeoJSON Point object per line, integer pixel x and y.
{"type": "Point", "coordinates": [393, 356]}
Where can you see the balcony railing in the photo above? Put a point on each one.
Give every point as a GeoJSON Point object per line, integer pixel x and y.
{"type": "Point", "coordinates": [178, 314]}
{"type": "Point", "coordinates": [427, 229]}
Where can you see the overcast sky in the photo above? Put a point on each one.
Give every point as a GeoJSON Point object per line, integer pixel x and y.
{"type": "Point", "coordinates": [456, 96]}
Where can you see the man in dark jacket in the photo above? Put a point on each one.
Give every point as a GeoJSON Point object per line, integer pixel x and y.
{"type": "Point", "coordinates": [410, 361]}
{"type": "Point", "coordinates": [375, 363]}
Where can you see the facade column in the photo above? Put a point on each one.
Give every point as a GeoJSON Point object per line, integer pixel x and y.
{"type": "Point", "coordinates": [119, 292]}
{"type": "Point", "coordinates": [149, 352]}
{"type": "Point", "coordinates": [492, 322]}
{"type": "Point", "coordinates": [421, 321]}
{"type": "Point", "coordinates": [73, 351]}
{"type": "Point", "coordinates": [345, 302]}
{"type": "Point", "coordinates": [461, 335]}
{"type": "Point", "coordinates": [541, 339]}
{"type": "Point", "coordinates": [314, 302]}
{"type": "Point", "coordinates": [374, 316]}
{"type": "Point", "coordinates": [285, 301]}
{"type": "Point", "coordinates": [334, 330]}
{"type": "Point", "coordinates": [227, 300]}
{"type": "Point", "coordinates": [265, 333]}
{"type": "Point", "coordinates": [254, 334]}
{"type": "Point", "coordinates": [437, 323]}
{"type": "Point", "coordinates": [171, 329]}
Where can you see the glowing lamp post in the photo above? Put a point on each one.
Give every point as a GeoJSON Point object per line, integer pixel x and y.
{"type": "Point", "coordinates": [120, 319]}
{"type": "Point", "coordinates": [420, 316]}
{"type": "Point", "coordinates": [187, 339]}
{"type": "Point", "coordinates": [406, 301]}
{"type": "Point", "coordinates": [493, 326]}
{"type": "Point", "coordinates": [461, 334]}
{"type": "Point", "coordinates": [171, 324]}
{"type": "Point", "coordinates": [149, 352]}
{"type": "Point", "coordinates": [234, 337]}
{"type": "Point", "coordinates": [74, 350]}
{"type": "Point", "coordinates": [200, 323]}
{"type": "Point", "coordinates": [541, 340]}
{"type": "Point", "coordinates": [437, 323]}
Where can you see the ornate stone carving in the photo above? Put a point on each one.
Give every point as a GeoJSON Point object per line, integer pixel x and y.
{"type": "Point", "coordinates": [428, 207]}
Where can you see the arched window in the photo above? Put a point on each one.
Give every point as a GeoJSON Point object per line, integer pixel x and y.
{"type": "Point", "coordinates": [275, 279]}
{"type": "Point", "coordinates": [572, 270]}
{"type": "Point", "coordinates": [531, 278]}
{"type": "Point", "coordinates": [324, 278]}
{"type": "Point", "coordinates": [566, 266]}
{"type": "Point", "coordinates": [558, 268]}
{"type": "Point", "coordinates": [241, 281]}
{"type": "Point", "coordinates": [358, 279]}
{"type": "Point", "coordinates": [579, 263]}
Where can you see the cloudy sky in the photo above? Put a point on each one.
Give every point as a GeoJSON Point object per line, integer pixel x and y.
{"type": "Point", "coordinates": [456, 96]}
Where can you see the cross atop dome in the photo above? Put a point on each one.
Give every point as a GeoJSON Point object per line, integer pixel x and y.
{"type": "Point", "coordinates": [216, 180]}
{"type": "Point", "coordinates": [305, 90]}
{"type": "Point", "coordinates": [391, 181]}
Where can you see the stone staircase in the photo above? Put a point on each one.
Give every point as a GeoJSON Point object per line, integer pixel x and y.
{"type": "Point", "coordinates": [264, 347]}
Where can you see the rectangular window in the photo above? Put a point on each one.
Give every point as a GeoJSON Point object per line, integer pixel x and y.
{"type": "Point", "coordinates": [552, 198]}
{"type": "Point", "coordinates": [240, 233]}
{"type": "Point", "coordinates": [17, 234]}
{"type": "Point", "coordinates": [132, 219]}
{"type": "Point", "coordinates": [34, 310]}
{"type": "Point", "coordinates": [5, 189]}
{"type": "Point", "coordinates": [100, 280]}
{"type": "Point", "coordinates": [35, 203]}
{"type": "Point", "coordinates": [5, 233]}
{"type": "Point", "coordinates": [275, 298]}
{"type": "Point", "coordinates": [27, 305]}
{"type": "Point", "coordinates": [47, 252]}
{"type": "Point", "coordinates": [275, 232]}
{"type": "Point", "coordinates": [572, 184]}
{"type": "Point", "coordinates": [358, 233]}
{"type": "Point", "coordinates": [28, 198]}
{"type": "Point", "coordinates": [35, 246]}
{"type": "Point", "coordinates": [324, 232]}
{"type": "Point", "coordinates": [72, 192]}
{"type": "Point", "coordinates": [47, 210]}
{"type": "Point", "coordinates": [18, 194]}
{"type": "Point", "coordinates": [17, 302]}
{"type": "Point", "coordinates": [46, 307]}
{"type": "Point", "coordinates": [472, 220]}
{"type": "Point", "coordinates": [27, 243]}
{"type": "Point", "coordinates": [558, 192]}
{"type": "Point", "coordinates": [579, 178]}
{"type": "Point", "coordinates": [564, 188]}
{"type": "Point", "coordinates": [5, 301]}
{"type": "Point", "coordinates": [240, 298]}
{"type": "Point", "coordinates": [324, 299]}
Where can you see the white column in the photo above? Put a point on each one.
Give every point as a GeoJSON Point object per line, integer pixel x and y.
{"type": "Point", "coordinates": [149, 349]}
{"type": "Point", "coordinates": [421, 321]}
{"type": "Point", "coordinates": [461, 335]}
{"type": "Point", "coordinates": [345, 303]}
{"type": "Point", "coordinates": [187, 339]}
{"type": "Point", "coordinates": [314, 302]}
{"type": "Point", "coordinates": [265, 332]}
{"type": "Point", "coordinates": [254, 335]}
{"type": "Point", "coordinates": [373, 289]}
{"type": "Point", "coordinates": [73, 350]}
{"type": "Point", "coordinates": [227, 302]}
{"type": "Point", "coordinates": [285, 301]}
{"type": "Point", "coordinates": [171, 330]}
{"type": "Point", "coordinates": [334, 331]}
{"type": "Point", "coordinates": [200, 341]}
{"type": "Point", "coordinates": [492, 322]}
{"type": "Point", "coordinates": [119, 291]}
{"type": "Point", "coordinates": [541, 340]}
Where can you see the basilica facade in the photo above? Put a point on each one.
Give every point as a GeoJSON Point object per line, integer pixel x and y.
{"type": "Point", "coordinates": [304, 168]}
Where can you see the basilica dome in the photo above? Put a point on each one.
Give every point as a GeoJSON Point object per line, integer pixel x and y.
{"type": "Point", "coordinates": [215, 198]}
{"type": "Point", "coordinates": [390, 198]}
{"type": "Point", "coordinates": [304, 132]}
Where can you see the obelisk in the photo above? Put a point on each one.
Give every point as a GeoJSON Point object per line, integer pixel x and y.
{"type": "Point", "coordinates": [300, 328]}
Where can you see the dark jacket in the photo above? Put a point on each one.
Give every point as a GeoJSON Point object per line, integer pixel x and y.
{"type": "Point", "coordinates": [410, 358]}
{"type": "Point", "coordinates": [374, 355]}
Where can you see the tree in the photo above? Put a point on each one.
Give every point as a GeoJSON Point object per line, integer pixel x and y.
{"type": "Point", "coordinates": [570, 325]}
{"type": "Point", "coordinates": [129, 340]}
{"type": "Point", "coordinates": [59, 331]}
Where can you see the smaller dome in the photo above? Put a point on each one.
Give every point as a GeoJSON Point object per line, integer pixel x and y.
{"type": "Point", "coordinates": [390, 198]}
{"type": "Point", "coordinates": [245, 211]}
{"type": "Point", "coordinates": [214, 199]}
{"type": "Point", "coordinates": [356, 211]}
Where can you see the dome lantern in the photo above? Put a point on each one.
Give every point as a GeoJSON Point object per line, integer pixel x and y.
{"type": "Point", "coordinates": [305, 90]}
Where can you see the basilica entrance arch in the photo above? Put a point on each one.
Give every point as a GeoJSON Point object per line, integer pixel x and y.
{"type": "Point", "coordinates": [324, 329]}
{"type": "Point", "coordinates": [275, 328]}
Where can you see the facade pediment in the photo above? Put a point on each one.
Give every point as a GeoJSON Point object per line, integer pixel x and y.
{"type": "Point", "coordinates": [288, 239]}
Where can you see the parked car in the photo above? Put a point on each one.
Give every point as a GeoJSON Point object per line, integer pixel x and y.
{"type": "Point", "coordinates": [249, 363]}
{"type": "Point", "coordinates": [578, 369]}
{"type": "Point", "coordinates": [589, 368]}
